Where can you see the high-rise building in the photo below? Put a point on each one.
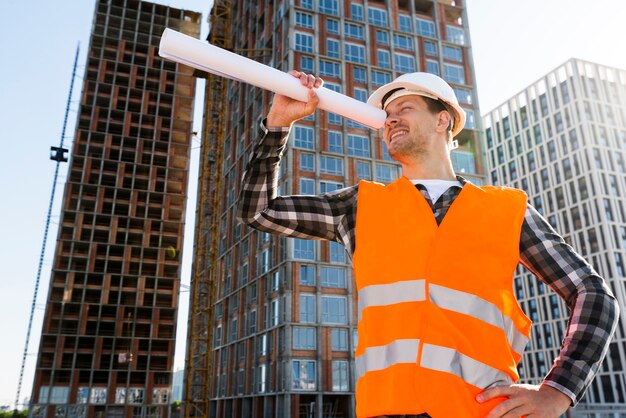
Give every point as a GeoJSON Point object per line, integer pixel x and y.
{"type": "Point", "coordinates": [107, 343]}
{"type": "Point", "coordinates": [563, 141]}
{"type": "Point", "coordinates": [286, 312]}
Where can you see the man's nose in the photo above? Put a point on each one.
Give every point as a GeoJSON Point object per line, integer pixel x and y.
{"type": "Point", "coordinates": [390, 121]}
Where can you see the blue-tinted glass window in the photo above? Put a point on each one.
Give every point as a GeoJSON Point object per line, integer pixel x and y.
{"type": "Point", "coordinates": [358, 145]}
{"type": "Point", "coordinates": [378, 17]}
{"type": "Point", "coordinates": [307, 161]}
{"type": "Point", "coordinates": [355, 53]}
{"type": "Point", "coordinates": [384, 58]}
{"type": "Point", "coordinates": [335, 141]}
{"type": "Point", "coordinates": [425, 27]}
{"type": "Point", "coordinates": [357, 12]}
{"type": "Point", "coordinates": [332, 48]}
{"type": "Point", "coordinates": [304, 42]}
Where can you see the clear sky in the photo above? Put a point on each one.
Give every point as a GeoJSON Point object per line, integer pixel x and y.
{"type": "Point", "coordinates": [514, 43]}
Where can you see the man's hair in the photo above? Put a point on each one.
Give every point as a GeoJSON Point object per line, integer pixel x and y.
{"type": "Point", "coordinates": [436, 106]}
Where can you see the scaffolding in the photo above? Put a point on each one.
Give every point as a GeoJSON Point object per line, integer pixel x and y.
{"type": "Point", "coordinates": [201, 316]}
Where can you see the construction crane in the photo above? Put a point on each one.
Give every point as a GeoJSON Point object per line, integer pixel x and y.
{"type": "Point", "coordinates": [198, 364]}
{"type": "Point", "coordinates": [56, 154]}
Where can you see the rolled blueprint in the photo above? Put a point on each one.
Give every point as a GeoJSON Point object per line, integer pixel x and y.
{"type": "Point", "coordinates": [204, 56]}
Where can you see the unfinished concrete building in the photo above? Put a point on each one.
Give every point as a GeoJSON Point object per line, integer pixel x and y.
{"type": "Point", "coordinates": [107, 344]}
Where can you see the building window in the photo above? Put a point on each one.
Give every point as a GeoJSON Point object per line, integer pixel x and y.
{"type": "Point", "coordinates": [307, 275]}
{"type": "Point", "coordinates": [404, 63]}
{"type": "Point", "coordinates": [385, 173]}
{"type": "Point", "coordinates": [463, 161]}
{"type": "Point", "coordinates": [306, 4]}
{"type": "Point", "coordinates": [59, 394]}
{"type": "Point", "coordinates": [333, 277]}
{"type": "Point", "coordinates": [252, 322]}
{"type": "Point", "coordinates": [329, 186]}
{"type": "Point", "coordinates": [379, 78]}
{"type": "Point", "coordinates": [384, 58]}
{"type": "Point", "coordinates": [358, 145]}
{"type": "Point", "coordinates": [306, 64]}
{"type": "Point", "coordinates": [463, 95]}
{"type": "Point", "coordinates": [378, 17]}
{"type": "Point", "coordinates": [452, 53]}
{"type": "Point", "coordinates": [334, 119]}
{"type": "Point", "coordinates": [364, 170]}
{"type": "Point", "coordinates": [340, 376]}
{"type": "Point", "coordinates": [303, 249]}
{"type": "Point", "coordinates": [454, 73]}
{"type": "Point", "coordinates": [334, 310]}
{"type": "Point", "coordinates": [307, 162]}
{"type": "Point", "coordinates": [432, 67]}
{"type": "Point", "coordinates": [307, 186]}
{"type": "Point", "coordinates": [304, 338]}
{"type": "Point", "coordinates": [274, 312]}
{"type": "Point", "coordinates": [331, 165]}
{"type": "Point", "coordinates": [455, 35]}
{"type": "Point", "coordinates": [405, 23]}
{"type": "Point", "coordinates": [332, 26]}
{"type": "Point", "coordinates": [337, 252]}
{"type": "Point", "coordinates": [261, 378]}
{"type": "Point", "coordinates": [430, 48]}
{"type": "Point", "coordinates": [330, 7]}
{"type": "Point", "coordinates": [355, 53]}
{"type": "Point", "coordinates": [330, 69]}
{"type": "Point", "coordinates": [99, 395]}
{"type": "Point", "coordinates": [403, 42]}
{"type": "Point", "coordinates": [304, 20]}
{"type": "Point", "coordinates": [356, 11]}
{"type": "Point", "coordinates": [304, 42]}
{"type": "Point", "coordinates": [303, 374]}
{"type": "Point", "coordinates": [335, 141]}
{"type": "Point", "coordinates": [307, 308]}
{"type": "Point", "coordinates": [360, 94]}
{"type": "Point", "coordinates": [339, 337]}
{"type": "Point", "coordinates": [332, 48]}
{"type": "Point", "coordinates": [470, 120]}
{"type": "Point", "coordinates": [382, 37]}
{"type": "Point", "coordinates": [360, 75]}
{"type": "Point", "coordinates": [352, 30]}
{"type": "Point", "coordinates": [425, 27]}
{"type": "Point", "coordinates": [303, 137]}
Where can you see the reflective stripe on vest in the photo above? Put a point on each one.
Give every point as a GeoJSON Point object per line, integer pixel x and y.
{"type": "Point", "coordinates": [472, 305]}
{"type": "Point", "coordinates": [389, 294]}
{"type": "Point", "coordinates": [445, 298]}
{"type": "Point", "coordinates": [448, 360]}
{"type": "Point", "coordinates": [433, 357]}
{"type": "Point", "coordinates": [384, 356]}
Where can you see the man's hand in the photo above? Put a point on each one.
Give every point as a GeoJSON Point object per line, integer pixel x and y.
{"type": "Point", "coordinates": [285, 111]}
{"type": "Point", "coordinates": [536, 401]}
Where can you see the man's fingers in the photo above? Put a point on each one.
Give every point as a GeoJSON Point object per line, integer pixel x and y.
{"type": "Point", "coordinates": [494, 393]}
{"type": "Point", "coordinates": [507, 409]}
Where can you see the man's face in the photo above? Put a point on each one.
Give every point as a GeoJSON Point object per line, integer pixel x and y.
{"type": "Point", "coordinates": [409, 127]}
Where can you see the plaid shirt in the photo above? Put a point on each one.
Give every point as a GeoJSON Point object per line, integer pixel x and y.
{"type": "Point", "coordinates": [332, 216]}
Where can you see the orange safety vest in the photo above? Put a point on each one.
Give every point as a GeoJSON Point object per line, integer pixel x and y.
{"type": "Point", "coordinates": [438, 319]}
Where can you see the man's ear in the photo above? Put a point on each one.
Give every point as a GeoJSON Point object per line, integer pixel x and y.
{"type": "Point", "coordinates": [444, 121]}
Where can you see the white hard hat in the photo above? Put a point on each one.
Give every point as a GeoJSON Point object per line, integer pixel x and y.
{"type": "Point", "coordinates": [422, 84]}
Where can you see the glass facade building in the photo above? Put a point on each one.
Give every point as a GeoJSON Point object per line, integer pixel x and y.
{"type": "Point", "coordinates": [563, 141]}
{"type": "Point", "coordinates": [285, 328]}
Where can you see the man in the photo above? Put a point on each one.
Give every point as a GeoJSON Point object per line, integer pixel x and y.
{"type": "Point", "coordinates": [440, 330]}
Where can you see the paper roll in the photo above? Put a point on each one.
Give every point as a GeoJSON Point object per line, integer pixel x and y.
{"type": "Point", "coordinates": [190, 51]}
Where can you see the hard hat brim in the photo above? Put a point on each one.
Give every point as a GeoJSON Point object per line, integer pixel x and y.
{"type": "Point", "coordinates": [377, 97]}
